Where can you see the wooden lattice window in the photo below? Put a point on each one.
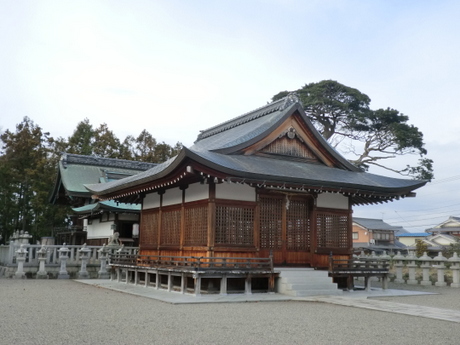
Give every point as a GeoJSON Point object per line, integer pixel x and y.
{"type": "Point", "coordinates": [271, 214]}
{"type": "Point", "coordinates": [297, 227]}
{"type": "Point", "coordinates": [170, 227]}
{"type": "Point", "coordinates": [149, 229]}
{"type": "Point", "coordinates": [234, 225]}
{"type": "Point", "coordinates": [332, 230]}
{"type": "Point", "coordinates": [196, 226]}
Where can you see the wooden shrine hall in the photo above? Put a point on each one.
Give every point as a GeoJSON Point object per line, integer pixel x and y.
{"type": "Point", "coordinates": [264, 183]}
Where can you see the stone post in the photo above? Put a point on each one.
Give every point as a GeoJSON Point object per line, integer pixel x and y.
{"type": "Point", "coordinates": [21, 254]}
{"type": "Point", "coordinates": [412, 266]}
{"type": "Point", "coordinates": [103, 254]}
{"type": "Point", "coordinates": [455, 267]}
{"type": "Point", "coordinates": [441, 267]}
{"type": "Point", "coordinates": [63, 256]}
{"type": "Point", "coordinates": [42, 254]}
{"type": "Point", "coordinates": [425, 266]}
{"type": "Point", "coordinates": [84, 256]}
{"type": "Point", "coordinates": [398, 259]}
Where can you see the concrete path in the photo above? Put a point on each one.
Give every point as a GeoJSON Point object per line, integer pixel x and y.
{"type": "Point", "coordinates": [391, 307]}
{"type": "Point", "coordinates": [357, 299]}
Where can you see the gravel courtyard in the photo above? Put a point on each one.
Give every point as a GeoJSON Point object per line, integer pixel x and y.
{"type": "Point", "coordinates": [68, 312]}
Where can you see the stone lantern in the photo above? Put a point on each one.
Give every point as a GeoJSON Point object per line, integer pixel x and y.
{"type": "Point", "coordinates": [21, 254]}
{"type": "Point", "coordinates": [84, 256]}
{"type": "Point", "coordinates": [425, 266]}
{"type": "Point", "coordinates": [412, 266]}
{"type": "Point", "coordinates": [103, 255]}
{"type": "Point", "coordinates": [399, 264]}
{"type": "Point", "coordinates": [63, 256]}
{"type": "Point", "coordinates": [41, 254]}
{"type": "Point", "coordinates": [455, 267]}
{"type": "Point", "coordinates": [441, 267]}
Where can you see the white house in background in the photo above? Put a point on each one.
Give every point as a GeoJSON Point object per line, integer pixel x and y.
{"type": "Point", "coordinates": [449, 227]}
{"type": "Point", "coordinates": [410, 238]}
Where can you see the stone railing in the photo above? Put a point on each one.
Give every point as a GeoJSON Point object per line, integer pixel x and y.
{"type": "Point", "coordinates": [424, 270]}
{"type": "Point", "coordinates": [76, 261]}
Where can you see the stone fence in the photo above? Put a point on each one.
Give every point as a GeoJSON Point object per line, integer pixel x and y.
{"type": "Point", "coordinates": [424, 270]}
{"type": "Point", "coordinates": [23, 260]}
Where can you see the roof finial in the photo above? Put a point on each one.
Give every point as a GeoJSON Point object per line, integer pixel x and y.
{"type": "Point", "coordinates": [291, 98]}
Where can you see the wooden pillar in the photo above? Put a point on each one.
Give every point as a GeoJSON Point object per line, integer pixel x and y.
{"type": "Point", "coordinates": [211, 218]}
{"type": "Point", "coordinates": [313, 235]}
{"type": "Point", "coordinates": [350, 227]}
{"type": "Point", "coordinates": [182, 220]}
{"type": "Point", "coordinates": [257, 225]}
{"type": "Point", "coordinates": [160, 215]}
{"type": "Point", "coordinates": [284, 229]}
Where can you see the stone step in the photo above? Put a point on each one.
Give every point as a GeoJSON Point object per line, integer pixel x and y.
{"type": "Point", "coordinates": [304, 279]}
{"type": "Point", "coordinates": [314, 292]}
{"type": "Point", "coordinates": [317, 285]}
{"type": "Point", "coordinates": [300, 282]}
{"type": "Point", "coordinates": [303, 273]}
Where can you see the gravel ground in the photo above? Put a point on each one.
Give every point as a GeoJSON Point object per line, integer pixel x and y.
{"type": "Point", "coordinates": [67, 312]}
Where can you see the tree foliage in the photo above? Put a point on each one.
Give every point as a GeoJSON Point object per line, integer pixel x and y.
{"type": "Point", "coordinates": [340, 112]}
{"type": "Point", "coordinates": [27, 171]}
{"type": "Point", "coordinates": [28, 167]}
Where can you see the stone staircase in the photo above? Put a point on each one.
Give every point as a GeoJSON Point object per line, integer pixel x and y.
{"type": "Point", "coordinates": [301, 282]}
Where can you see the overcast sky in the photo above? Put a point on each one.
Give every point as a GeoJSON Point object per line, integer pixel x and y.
{"type": "Point", "coordinates": [178, 67]}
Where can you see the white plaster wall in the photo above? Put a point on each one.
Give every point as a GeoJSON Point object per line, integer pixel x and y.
{"type": "Point", "coordinates": [172, 196]}
{"type": "Point", "coordinates": [151, 200]}
{"type": "Point", "coordinates": [196, 191]}
{"type": "Point", "coordinates": [329, 200]}
{"type": "Point", "coordinates": [234, 191]}
{"type": "Point", "coordinates": [99, 230]}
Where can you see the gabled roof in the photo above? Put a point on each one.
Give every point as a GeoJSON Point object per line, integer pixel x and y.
{"type": "Point", "coordinates": [233, 136]}
{"type": "Point", "coordinates": [451, 224]}
{"type": "Point", "coordinates": [439, 241]}
{"type": "Point", "coordinates": [236, 151]}
{"type": "Point", "coordinates": [376, 224]}
{"type": "Point", "coordinates": [74, 171]}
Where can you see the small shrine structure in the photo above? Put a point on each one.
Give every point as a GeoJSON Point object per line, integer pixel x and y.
{"type": "Point", "coordinates": [263, 183]}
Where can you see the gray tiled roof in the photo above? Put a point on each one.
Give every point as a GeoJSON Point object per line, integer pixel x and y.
{"type": "Point", "coordinates": [249, 128]}
{"type": "Point", "coordinates": [108, 205]}
{"type": "Point", "coordinates": [218, 148]}
{"type": "Point", "coordinates": [68, 158]}
{"type": "Point", "coordinates": [375, 224]}
{"type": "Point", "coordinates": [75, 171]}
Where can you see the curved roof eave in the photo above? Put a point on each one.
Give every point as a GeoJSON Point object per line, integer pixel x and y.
{"type": "Point", "coordinates": [163, 170]}
{"type": "Point", "coordinates": [159, 171]}
{"type": "Point", "coordinates": [339, 184]}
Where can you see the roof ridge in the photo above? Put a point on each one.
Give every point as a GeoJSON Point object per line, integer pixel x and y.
{"type": "Point", "coordinates": [105, 161]}
{"type": "Point", "coordinates": [269, 108]}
